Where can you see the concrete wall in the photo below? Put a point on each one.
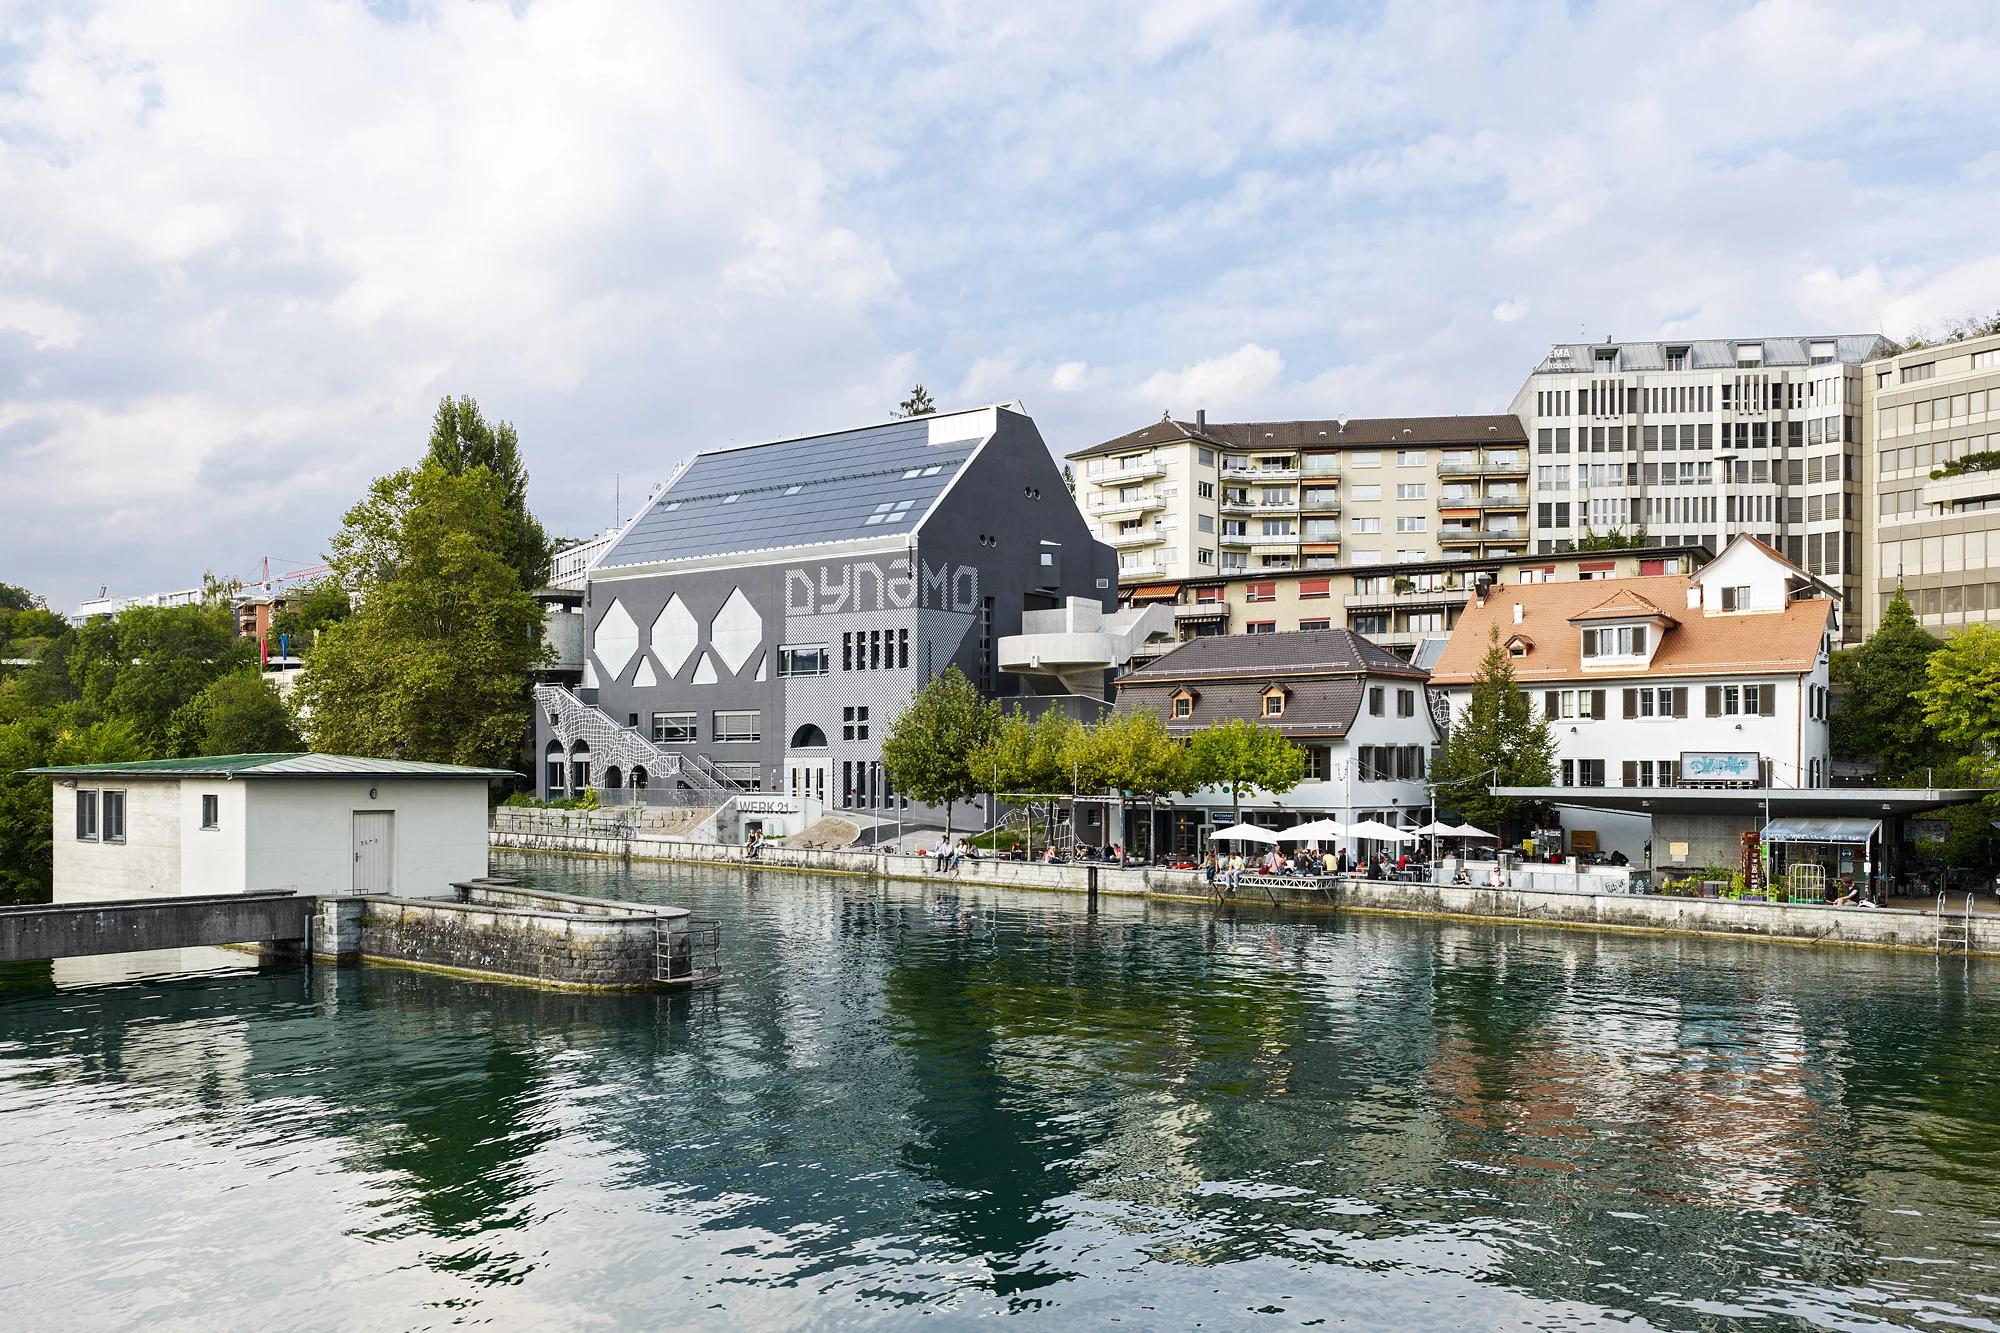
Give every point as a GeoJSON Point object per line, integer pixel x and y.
{"type": "Point", "coordinates": [146, 865]}
{"type": "Point", "coordinates": [518, 935]}
{"type": "Point", "coordinates": [1780, 921]}
{"type": "Point", "coordinates": [301, 832]}
{"type": "Point", "coordinates": [83, 929]}
{"type": "Point", "coordinates": [212, 860]}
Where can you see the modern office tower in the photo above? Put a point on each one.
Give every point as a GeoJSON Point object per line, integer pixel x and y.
{"type": "Point", "coordinates": [1191, 500]}
{"type": "Point", "coordinates": [1695, 441]}
{"type": "Point", "coordinates": [1928, 411]}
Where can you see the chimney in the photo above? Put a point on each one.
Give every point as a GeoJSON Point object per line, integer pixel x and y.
{"type": "Point", "coordinates": [1201, 420]}
{"type": "Point", "coordinates": [1694, 596]}
{"type": "Point", "coordinates": [1517, 613]}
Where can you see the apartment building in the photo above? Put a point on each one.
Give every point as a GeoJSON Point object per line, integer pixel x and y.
{"type": "Point", "coordinates": [1933, 418]}
{"type": "Point", "coordinates": [1720, 678]}
{"type": "Point", "coordinates": [1184, 500]}
{"type": "Point", "coordinates": [1696, 441]}
{"type": "Point", "coordinates": [1397, 609]}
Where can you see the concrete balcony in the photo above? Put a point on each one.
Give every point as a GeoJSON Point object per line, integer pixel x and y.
{"type": "Point", "coordinates": [1125, 508]}
{"type": "Point", "coordinates": [1275, 546]}
{"type": "Point", "coordinates": [1519, 469]}
{"type": "Point", "coordinates": [1260, 507]}
{"type": "Point", "coordinates": [1152, 569]}
{"type": "Point", "coordinates": [1320, 472]}
{"type": "Point", "coordinates": [1125, 476]}
{"type": "Point", "coordinates": [1202, 611]}
{"type": "Point", "coordinates": [1234, 542]}
{"type": "Point", "coordinates": [1485, 502]}
{"type": "Point", "coordinates": [1237, 476]}
{"type": "Point", "coordinates": [1392, 601]}
{"type": "Point", "coordinates": [1460, 537]}
{"type": "Point", "coordinates": [1126, 540]}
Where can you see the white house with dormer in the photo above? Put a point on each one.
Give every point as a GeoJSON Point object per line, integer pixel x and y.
{"type": "Point", "coordinates": [1719, 677]}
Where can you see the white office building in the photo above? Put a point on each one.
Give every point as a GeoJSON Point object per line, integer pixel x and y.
{"type": "Point", "coordinates": [1695, 441]}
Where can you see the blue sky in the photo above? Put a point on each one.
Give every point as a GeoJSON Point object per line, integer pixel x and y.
{"type": "Point", "coordinates": [244, 248]}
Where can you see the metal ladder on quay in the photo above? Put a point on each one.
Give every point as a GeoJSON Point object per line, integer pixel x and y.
{"type": "Point", "coordinates": [1954, 932]}
{"type": "Point", "coordinates": [688, 953]}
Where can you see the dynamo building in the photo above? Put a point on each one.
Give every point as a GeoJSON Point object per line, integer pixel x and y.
{"type": "Point", "coordinates": [759, 623]}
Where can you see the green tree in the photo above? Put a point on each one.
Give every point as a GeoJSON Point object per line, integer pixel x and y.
{"type": "Point", "coordinates": [307, 612]}
{"type": "Point", "coordinates": [1880, 717]}
{"type": "Point", "coordinates": [147, 662]}
{"type": "Point", "coordinates": [239, 713]}
{"type": "Point", "coordinates": [461, 440]}
{"type": "Point", "coordinates": [1497, 741]}
{"type": "Point", "coordinates": [1069, 478]}
{"type": "Point", "coordinates": [436, 662]}
{"type": "Point", "coordinates": [1133, 753]}
{"type": "Point", "coordinates": [13, 597]}
{"type": "Point", "coordinates": [1960, 694]}
{"type": "Point", "coordinates": [928, 752]}
{"type": "Point", "coordinates": [1239, 756]}
{"type": "Point", "coordinates": [918, 404]}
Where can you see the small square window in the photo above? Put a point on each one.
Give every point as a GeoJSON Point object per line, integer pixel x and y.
{"type": "Point", "coordinates": [1274, 705]}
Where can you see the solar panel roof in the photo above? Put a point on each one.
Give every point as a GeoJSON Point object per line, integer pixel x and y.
{"type": "Point", "coordinates": [873, 482]}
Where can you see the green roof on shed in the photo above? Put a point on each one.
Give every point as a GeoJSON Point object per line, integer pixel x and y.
{"type": "Point", "coordinates": [272, 766]}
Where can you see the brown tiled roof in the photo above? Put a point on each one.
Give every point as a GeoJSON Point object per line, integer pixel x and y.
{"type": "Point", "coordinates": [1268, 656]}
{"type": "Point", "coordinates": [1700, 644]}
{"type": "Point", "coordinates": [1359, 433]}
{"type": "Point", "coordinates": [1624, 605]}
{"type": "Point", "coordinates": [1314, 705]}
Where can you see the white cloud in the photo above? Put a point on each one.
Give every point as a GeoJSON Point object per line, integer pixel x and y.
{"type": "Point", "coordinates": [241, 258]}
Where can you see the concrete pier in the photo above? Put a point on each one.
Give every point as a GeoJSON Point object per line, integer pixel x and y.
{"type": "Point", "coordinates": [76, 930]}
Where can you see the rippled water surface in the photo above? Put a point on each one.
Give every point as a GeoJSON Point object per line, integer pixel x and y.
{"type": "Point", "coordinates": [911, 1110]}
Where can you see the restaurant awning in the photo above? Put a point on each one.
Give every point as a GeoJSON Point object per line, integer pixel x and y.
{"type": "Point", "coordinates": [1821, 830]}
{"type": "Point", "coordinates": [1154, 591]}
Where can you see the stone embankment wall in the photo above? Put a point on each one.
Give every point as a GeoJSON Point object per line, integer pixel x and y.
{"type": "Point", "coordinates": [1708, 916]}
{"type": "Point", "coordinates": [498, 930]}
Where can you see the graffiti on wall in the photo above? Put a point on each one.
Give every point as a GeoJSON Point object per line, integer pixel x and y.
{"type": "Point", "coordinates": [868, 585]}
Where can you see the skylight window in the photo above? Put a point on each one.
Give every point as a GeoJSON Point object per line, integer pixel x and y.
{"type": "Point", "coordinates": [933, 469]}
{"type": "Point", "coordinates": [791, 490]}
{"type": "Point", "coordinates": [730, 499]}
{"type": "Point", "coordinates": [889, 511]}
{"type": "Point", "coordinates": [675, 505]}
{"type": "Point", "coordinates": [913, 472]}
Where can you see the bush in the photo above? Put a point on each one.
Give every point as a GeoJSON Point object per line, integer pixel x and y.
{"type": "Point", "coordinates": [587, 801]}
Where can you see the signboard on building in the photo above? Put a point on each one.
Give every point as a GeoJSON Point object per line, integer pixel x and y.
{"type": "Point", "coordinates": [766, 805]}
{"type": "Point", "coordinates": [1708, 766]}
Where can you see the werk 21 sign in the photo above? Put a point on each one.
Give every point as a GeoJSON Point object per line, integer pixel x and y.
{"type": "Point", "coordinates": [1708, 767]}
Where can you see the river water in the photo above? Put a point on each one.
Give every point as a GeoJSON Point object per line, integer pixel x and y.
{"type": "Point", "coordinates": [907, 1109]}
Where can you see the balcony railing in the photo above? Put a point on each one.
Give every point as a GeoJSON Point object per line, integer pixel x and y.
{"type": "Point", "coordinates": [1234, 541]}
{"type": "Point", "coordinates": [1519, 469]}
{"type": "Point", "coordinates": [1320, 471]}
{"type": "Point", "coordinates": [1484, 502]}
{"type": "Point", "coordinates": [1239, 474]}
{"type": "Point", "coordinates": [1260, 506]}
{"type": "Point", "coordinates": [1146, 537]}
{"type": "Point", "coordinates": [1202, 611]}
{"type": "Point", "coordinates": [1113, 508]}
{"type": "Point", "coordinates": [1132, 573]}
{"type": "Point", "coordinates": [1314, 504]}
{"type": "Point", "coordinates": [1125, 476]}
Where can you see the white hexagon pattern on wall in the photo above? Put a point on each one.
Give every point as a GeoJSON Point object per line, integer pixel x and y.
{"type": "Point", "coordinates": [675, 635]}
{"type": "Point", "coordinates": [616, 641]}
{"type": "Point", "coordinates": [736, 631]}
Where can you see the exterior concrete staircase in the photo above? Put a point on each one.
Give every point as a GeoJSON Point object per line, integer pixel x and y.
{"type": "Point", "coordinates": [610, 743]}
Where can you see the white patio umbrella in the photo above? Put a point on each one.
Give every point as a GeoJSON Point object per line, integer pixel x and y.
{"type": "Point", "coordinates": [1243, 833]}
{"type": "Point", "coordinates": [1319, 830]}
{"type": "Point", "coordinates": [1470, 831]}
{"type": "Point", "coordinates": [1380, 832]}
{"type": "Point", "coordinates": [1434, 829]}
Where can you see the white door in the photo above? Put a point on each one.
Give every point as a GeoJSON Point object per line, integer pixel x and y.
{"type": "Point", "coordinates": [374, 851]}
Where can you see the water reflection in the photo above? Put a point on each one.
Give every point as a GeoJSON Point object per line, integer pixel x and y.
{"type": "Point", "coordinates": [979, 1102]}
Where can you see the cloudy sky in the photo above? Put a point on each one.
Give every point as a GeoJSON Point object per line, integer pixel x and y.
{"type": "Point", "coordinates": [245, 247]}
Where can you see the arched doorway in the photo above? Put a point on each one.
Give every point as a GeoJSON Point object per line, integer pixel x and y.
{"type": "Point", "coordinates": [639, 777]}
{"type": "Point", "coordinates": [807, 764]}
{"type": "Point", "coordinates": [613, 778]}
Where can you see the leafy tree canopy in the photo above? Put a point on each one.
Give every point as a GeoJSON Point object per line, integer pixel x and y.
{"type": "Point", "coordinates": [1133, 753]}
{"type": "Point", "coordinates": [13, 597]}
{"type": "Point", "coordinates": [239, 713]}
{"type": "Point", "coordinates": [1496, 741]}
{"type": "Point", "coordinates": [308, 611]}
{"type": "Point", "coordinates": [36, 738]}
{"type": "Point", "coordinates": [1238, 756]}
{"type": "Point", "coordinates": [145, 663]}
{"type": "Point", "coordinates": [928, 751]}
{"type": "Point", "coordinates": [436, 662]}
{"type": "Point", "coordinates": [461, 440]}
{"type": "Point", "coordinates": [1880, 717]}
{"type": "Point", "coordinates": [918, 404]}
{"type": "Point", "coordinates": [1960, 694]}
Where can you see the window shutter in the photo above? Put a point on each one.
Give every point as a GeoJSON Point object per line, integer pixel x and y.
{"type": "Point", "coordinates": [1631, 710]}
{"type": "Point", "coordinates": [1552, 704]}
{"type": "Point", "coordinates": [1767, 701]}
{"type": "Point", "coordinates": [1715, 701]}
{"type": "Point", "coordinates": [1597, 705]}
{"type": "Point", "coordinates": [1681, 701]}
{"type": "Point", "coordinates": [1631, 765]}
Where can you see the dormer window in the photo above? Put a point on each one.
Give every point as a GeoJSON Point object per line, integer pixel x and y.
{"type": "Point", "coordinates": [1519, 646]}
{"type": "Point", "coordinates": [1736, 599]}
{"type": "Point", "coordinates": [1182, 704]}
{"type": "Point", "coordinates": [1624, 641]}
{"type": "Point", "coordinates": [1274, 704]}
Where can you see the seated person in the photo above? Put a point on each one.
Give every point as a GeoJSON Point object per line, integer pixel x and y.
{"type": "Point", "coordinates": [1496, 880]}
{"type": "Point", "coordinates": [1462, 877]}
